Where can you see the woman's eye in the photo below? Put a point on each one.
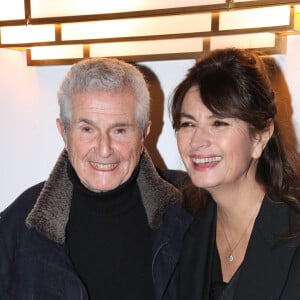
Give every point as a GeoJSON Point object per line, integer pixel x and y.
{"type": "Point", "coordinates": [218, 123]}
{"type": "Point", "coordinates": [186, 124]}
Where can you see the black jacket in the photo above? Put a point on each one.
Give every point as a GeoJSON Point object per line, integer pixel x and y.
{"type": "Point", "coordinates": [34, 260]}
{"type": "Point", "coordinates": [271, 267]}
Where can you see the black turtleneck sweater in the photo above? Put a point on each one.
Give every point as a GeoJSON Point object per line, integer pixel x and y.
{"type": "Point", "coordinates": [109, 241]}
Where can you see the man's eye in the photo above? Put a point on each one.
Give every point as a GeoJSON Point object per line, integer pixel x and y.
{"type": "Point", "coordinates": [120, 130]}
{"type": "Point", "coordinates": [86, 129]}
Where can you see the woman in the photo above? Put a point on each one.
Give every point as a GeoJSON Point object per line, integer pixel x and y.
{"type": "Point", "coordinates": [243, 243]}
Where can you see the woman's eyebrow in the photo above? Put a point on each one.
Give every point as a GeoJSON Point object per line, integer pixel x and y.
{"type": "Point", "coordinates": [186, 115]}
{"type": "Point", "coordinates": [189, 116]}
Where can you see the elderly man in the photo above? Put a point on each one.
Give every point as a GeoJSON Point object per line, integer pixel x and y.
{"type": "Point", "coordinates": [104, 225]}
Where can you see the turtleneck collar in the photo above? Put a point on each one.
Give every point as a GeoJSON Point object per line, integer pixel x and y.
{"type": "Point", "coordinates": [119, 190]}
{"type": "Point", "coordinates": [56, 195]}
{"type": "Point", "coordinates": [108, 203]}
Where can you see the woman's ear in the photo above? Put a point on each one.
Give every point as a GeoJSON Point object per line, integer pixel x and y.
{"type": "Point", "coordinates": [261, 139]}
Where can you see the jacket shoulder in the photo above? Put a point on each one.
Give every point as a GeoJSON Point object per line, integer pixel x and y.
{"type": "Point", "coordinates": [177, 178]}
{"type": "Point", "coordinates": [22, 205]}
{"type": "Point", "coordinates": [12, 222]}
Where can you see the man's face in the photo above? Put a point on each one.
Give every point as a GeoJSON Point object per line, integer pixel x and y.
{"type": "Point", "coordinates": [104, 142]}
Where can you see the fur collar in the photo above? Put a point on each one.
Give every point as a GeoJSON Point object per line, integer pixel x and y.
{"type": "Point", "coordinates": [51, 211]}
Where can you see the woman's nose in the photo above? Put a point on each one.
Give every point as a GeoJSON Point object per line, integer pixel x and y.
{"type": "Point", "coordinates": [200, 138]}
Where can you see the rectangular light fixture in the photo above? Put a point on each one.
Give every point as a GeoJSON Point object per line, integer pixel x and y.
{"type": "Point", "coordinates": [151, 29]}
{"type": "Point", "coordinates": [139, 48]}
{"type": "Point", "coordinates": [266, 17]}
{"type": "Point", "coordinates": [134, 51]}
{"type": "Point", "coordinates": [137, 27]}
{"type": "Point", "coordinates": [12, 10]}
{"type": "Point", "coordinates": [57, 52]}
{"type": "Point", "coordinates": [297, 18]}
{"type": "Point", "coordinates": [63, 8]}
{"type": "Point", "coordinates": [15, 35]}
{"type": "Point", "coordinates": [270, 42]}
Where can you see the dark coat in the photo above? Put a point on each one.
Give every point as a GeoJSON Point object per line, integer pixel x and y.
{"type": "Point", "coordinates": [34, 260]}
{"type": "Point", "coordinates": [271, 267]}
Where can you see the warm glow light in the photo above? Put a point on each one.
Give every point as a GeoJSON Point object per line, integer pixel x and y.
{"type": "Point", "coordinates": [27, 34]}
{"type": "Point", "coordinates": [57, 52]}
{"type": "Point", "coordinates": [144, 29]}
{"type": "Point", "coordinates": [59, 8]}
{"type": "Point", "coordinates": [297, 18]}
{"type": "Point", "coordinates": [256, 17]}
{"type": "Point", "coordinates": [12, 10]}
{"type": "Point", "coordinates": [251, 40]}
{"type": "Point", "coordinates": [147, 47]}
{"type": "Point", "coordinates": [137, 27]}
{"type": "Point", "coordinates": [237, 1]}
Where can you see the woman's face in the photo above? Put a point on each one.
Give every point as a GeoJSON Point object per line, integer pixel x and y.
{"type": "Point", "coordinates": [217, 152]}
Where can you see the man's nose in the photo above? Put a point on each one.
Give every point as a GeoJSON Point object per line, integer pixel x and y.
{"type": "Point", "coordinates": [104, 145]}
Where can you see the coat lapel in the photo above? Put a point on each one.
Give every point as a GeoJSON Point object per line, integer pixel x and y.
{"type": "Point", "coordinates": [268, 259]}
{"type": "Point", "coordinates": [51, 210]}
{"type": "Point", "coordinates": [196, 259]}
{"type": "Point", "coordinates": [166, 250]}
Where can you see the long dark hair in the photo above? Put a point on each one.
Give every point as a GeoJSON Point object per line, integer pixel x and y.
{"type": "Point", "coordinates": [235, 83]}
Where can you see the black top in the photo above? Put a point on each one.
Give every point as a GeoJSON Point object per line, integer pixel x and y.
{"type": "Point", "coordinates": [200, 274]}
{"type": "Point", "coordinates": [217, 283]}
{"type": "Point", "coordinates": [221, 290]}
{"type": "Point", "coordinates": [270, 269]}
{"type": "Point", "coordinates": [110, 241]}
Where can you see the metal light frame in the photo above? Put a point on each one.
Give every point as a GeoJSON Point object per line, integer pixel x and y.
{"type": "Point", "coordinates": [161, 39]}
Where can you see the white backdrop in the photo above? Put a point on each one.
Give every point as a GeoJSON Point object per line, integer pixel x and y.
{"type": "Point", "coordinates": [30, 142]}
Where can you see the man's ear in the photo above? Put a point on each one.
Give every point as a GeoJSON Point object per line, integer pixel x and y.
{"type": "Point", "coordinates": [147, 129]}
{"type": "Point", "coordinates": [145, 134]}
{"type": "Point", "coordinates": [261, 139]}
{"type": "Point", "coordinates": [61, 130]}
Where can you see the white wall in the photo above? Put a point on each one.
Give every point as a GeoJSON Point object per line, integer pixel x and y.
{"type": "Point", "coordinates": [290, 66]}
{"type": "Point", "coordinates": [30, 142]}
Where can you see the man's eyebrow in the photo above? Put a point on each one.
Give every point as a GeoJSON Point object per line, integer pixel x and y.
{"type": "Point", "coordinates": [113, 125]}
{"type": "Point", "coordinates": [84, 120]}
{"type": "Point", "coordinates": [121, 124]}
